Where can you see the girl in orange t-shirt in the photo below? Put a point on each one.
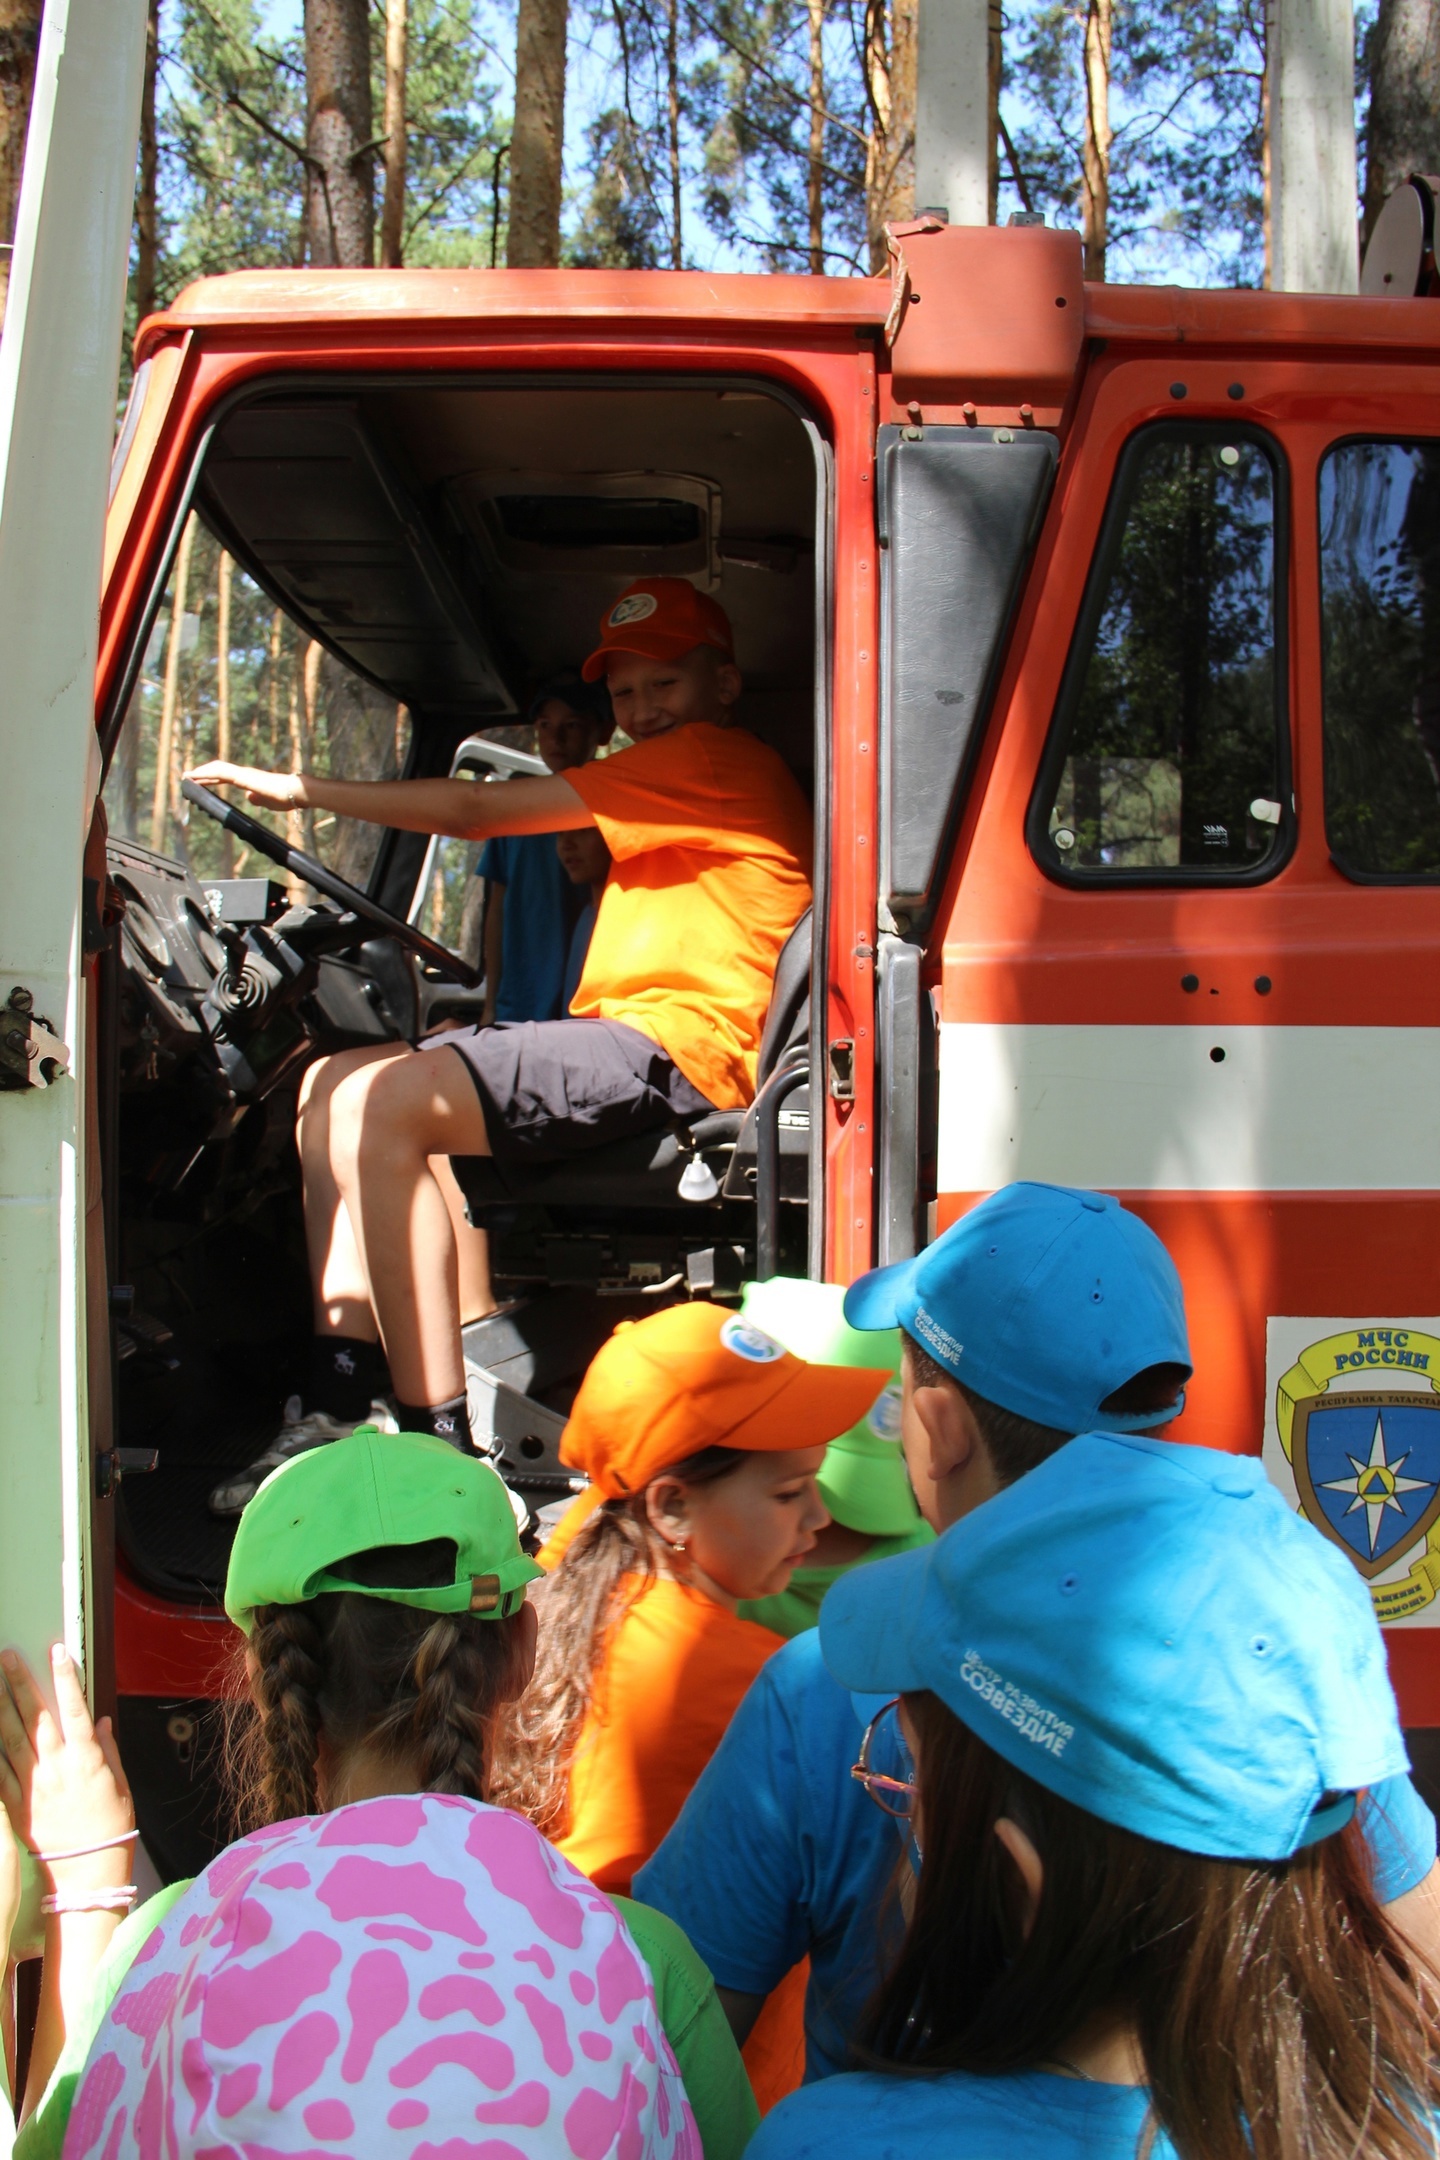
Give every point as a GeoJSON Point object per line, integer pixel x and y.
{"type": "Point", "coordinates": [701, 1436]}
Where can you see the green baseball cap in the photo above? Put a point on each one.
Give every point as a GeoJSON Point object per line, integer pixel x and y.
{"type": "Point", "coordinates": [377, 1489]}
{"type": "Point", "coordinates": [863, 1480]}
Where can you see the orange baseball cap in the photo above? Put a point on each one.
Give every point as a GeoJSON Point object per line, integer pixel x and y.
{"type": "Point", "coordinates": [662, 618]}
{"type": "Point", "coordinates": [697, 1376]}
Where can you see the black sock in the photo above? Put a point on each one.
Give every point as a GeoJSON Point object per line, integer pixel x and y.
{"type": "Point", "coordinates": [345, 1376]}
{"type": "Point", "coordinates": [446, 1420]}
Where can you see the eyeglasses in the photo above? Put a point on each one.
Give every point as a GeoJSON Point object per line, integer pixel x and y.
{"type": "Point", "coordinates": [896, 1795]}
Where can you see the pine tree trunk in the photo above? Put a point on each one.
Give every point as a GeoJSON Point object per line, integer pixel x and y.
{"type": "Point", "coordinates": [170, 696]}
{"type": "Point", "coordinates": [1266, 191]}
{"type": "Point", "coordinates": [314, 654]}
{"type": "Point", "coordinates": [1403, 135]}
{"type": "Point", "coordinates": [1095, 154]}
{"type": "Point", "coordinates": [816, 176]}
{"type": "Point", "coordinates": [147, 236]}
{"type": "Point", "coordinates": [392, 217]}
{"type": "Point", "coordinates": [339, 135]}
{"type": "Point", "coordinates": [995, 54]}
{"type": "Point", "coordinates": [272, 714]}
{"type": "Point", "coordinates": [538, 142]}
{"type": "Point", "coordinates": [225, 576]}
{"type": "Point", "coordinates": [672, 73]}
{"type": "Point", "coordinates": [890, 41]}
{"type": "Point", "coordinates": [19, 39]}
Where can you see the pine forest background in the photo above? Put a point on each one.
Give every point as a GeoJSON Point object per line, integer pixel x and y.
{"type": "Point", "coordinates": [760, 135]}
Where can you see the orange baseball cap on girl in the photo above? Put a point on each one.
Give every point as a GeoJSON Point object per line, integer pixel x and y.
{"type": "Point", "coordinates": [697, 1376]}
{"type": "Point", "coordinates": [661, 618]}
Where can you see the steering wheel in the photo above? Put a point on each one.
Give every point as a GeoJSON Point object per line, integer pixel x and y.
{"type": "Point", "coordinates": [349, 897]}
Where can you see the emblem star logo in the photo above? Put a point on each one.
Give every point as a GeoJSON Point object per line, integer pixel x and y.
{"type": "Point", "coordinates": [1377, 1483]}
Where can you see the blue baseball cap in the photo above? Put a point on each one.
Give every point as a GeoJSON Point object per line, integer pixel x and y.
{"type": "Point", "coordinates": [1043, 1299]}
{"type": "Point", "coordinates": [1146, 1629]}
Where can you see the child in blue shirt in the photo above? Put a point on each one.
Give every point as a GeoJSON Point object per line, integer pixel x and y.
{"type": "Point", "coordinates": [530, 901]}
{"type": "Point", "coordinates": [776, 1855]}
{"type": "Point", "coordinates": [1140, 1698]}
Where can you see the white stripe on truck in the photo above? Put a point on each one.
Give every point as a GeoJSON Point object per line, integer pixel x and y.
{"type": "Point", "coordinates": [1152, 1109]}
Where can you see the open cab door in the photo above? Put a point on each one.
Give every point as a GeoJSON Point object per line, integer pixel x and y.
{"type": "Point", "coordinates": [59, 359]}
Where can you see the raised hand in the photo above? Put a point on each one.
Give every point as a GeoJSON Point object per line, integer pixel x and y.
{"type": "Point", "coordinates": [273, 791]}
{"type": "Point", "coordinates": [61, 1781]}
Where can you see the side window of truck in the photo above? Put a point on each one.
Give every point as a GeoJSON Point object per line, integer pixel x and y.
{"type": "Point", "coordinates": [227, 674]}
{"type": "Point", "coordinates": [1168, 758]}
{"type": "Point", "coordinates": [1380, 595]}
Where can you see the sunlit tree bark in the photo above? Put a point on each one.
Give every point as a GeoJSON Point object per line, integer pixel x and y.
{"type": "Point", "coordinates": [19, 39]}
{"type": "Point", "coordinates": [537, 145]}
{"type": "Point", "coordinates": [1403, 133]}
{"type": "Point", "coordinates": [392, 216]}
{"type": "Point", "coordinates": [339, 135]}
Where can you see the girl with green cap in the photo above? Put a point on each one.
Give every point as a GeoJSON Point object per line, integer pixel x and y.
{"type": "Point", "coordinates": [863, 1480]}
{"type": "Point", "coordinates": [385, 1959]}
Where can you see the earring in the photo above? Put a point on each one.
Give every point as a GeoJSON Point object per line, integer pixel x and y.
{"type": "Point", "coordinates": [678, 1546]}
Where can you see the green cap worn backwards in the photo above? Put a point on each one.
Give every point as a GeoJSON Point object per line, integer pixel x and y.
{"type": "Point", "coordinates": [378, 1489]}
{"type": "Point", "coordinates": [863, 1480]}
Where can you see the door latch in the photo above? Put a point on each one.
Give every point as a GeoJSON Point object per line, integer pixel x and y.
{"type": "Point", "coordinates": [31, 1053]}
{"type": "Point", "coordinates": [842, 1068]}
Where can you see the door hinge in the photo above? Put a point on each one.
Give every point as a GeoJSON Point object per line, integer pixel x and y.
{"type": "Point", "coordinates": [31, 1053]}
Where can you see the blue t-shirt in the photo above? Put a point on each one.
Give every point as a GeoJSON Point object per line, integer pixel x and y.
{"type": "Point", "coordinates": [540, 906]}
{"type": "Point", "coordinates": [778, 1853]}
{"type": "Point", "coordinates": [1027, 2113]}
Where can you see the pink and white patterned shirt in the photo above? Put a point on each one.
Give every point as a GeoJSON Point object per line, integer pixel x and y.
{"type": "Point", "coordinates": [419, 1976]}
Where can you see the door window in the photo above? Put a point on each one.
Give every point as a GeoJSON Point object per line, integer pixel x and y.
{"type": "Point", "coordinates": [1168, 759]}
{"type": "Point", "coordinates": [1380, 592]}
{"type": "Point", "coordinates": [228, 674]}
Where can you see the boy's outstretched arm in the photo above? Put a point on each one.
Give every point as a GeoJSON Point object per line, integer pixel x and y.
{"type": "Point", "coordinates": [461, 809]}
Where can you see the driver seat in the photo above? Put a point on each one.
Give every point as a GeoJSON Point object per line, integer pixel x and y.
{"type": "Point", "coordinates": [645, 1171]}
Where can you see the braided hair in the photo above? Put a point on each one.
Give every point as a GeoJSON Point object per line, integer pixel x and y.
{"type": "Point", "coordinates": [414, 1689]}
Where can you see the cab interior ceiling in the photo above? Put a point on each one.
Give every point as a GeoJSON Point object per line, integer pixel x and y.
{"type": "Point", "coordinates": [454, 544]}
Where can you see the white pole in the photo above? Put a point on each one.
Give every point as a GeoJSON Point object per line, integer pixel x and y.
{"type": "Point", "coordinates": [1313, 214]}
{"type": "Point", "coordinates": [952, 110]}
{"type": "Point", "coordinates": [59, 362]}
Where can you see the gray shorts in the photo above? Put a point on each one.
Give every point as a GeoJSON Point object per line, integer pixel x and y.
{"type": "Point", "coordinates": [551, 1089]}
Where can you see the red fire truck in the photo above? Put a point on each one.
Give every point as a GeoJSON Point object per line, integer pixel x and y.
{"type": "Point", "coordinates": [1103, 628]}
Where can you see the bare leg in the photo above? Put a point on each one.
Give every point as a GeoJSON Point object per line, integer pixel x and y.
{"type": "Point", "coordinates": [387, 1119]}
{"type": "Point", "coordinates": [472, 1247]}
{"type": "Point", "coordinates": [339, 1290]}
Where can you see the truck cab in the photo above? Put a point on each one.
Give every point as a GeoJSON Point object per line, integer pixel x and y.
{"type": "Point", "coordinates": [1101, 627]}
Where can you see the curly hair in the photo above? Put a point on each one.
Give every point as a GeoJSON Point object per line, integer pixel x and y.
{"type": "Point", "coordinates": [614, 1557]}
{"type": "Point", "coordinates": [416, 1689]}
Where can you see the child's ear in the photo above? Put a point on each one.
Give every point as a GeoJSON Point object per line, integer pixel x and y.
{"type": "Point", "coordinates": [1029, 1873]}
{"type": "Point", "coordinates": [728, 684]}
{"type": "Point", "coordinates": [667, 1509]}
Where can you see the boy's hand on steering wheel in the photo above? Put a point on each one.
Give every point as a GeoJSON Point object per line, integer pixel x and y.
{"type": "Point", "coordinates": [273, 791]}
{"type": "Point", "coordinates": [61, 1782]}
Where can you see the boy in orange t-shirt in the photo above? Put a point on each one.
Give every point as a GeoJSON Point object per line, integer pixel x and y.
{"type": "Point", "coordinates": [711, 842]}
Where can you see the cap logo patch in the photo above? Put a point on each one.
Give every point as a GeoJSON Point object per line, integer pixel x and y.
{"type": "Point", "coordinates": [1031, 1719]}
{"type": "Point", "coordinates": [749, 1342]}
{"type": "Point", "coordinates": [884, 1417]}
{"type": "Point", "coordinates": [940, 1340]}
{"type": "Point", "coordinates": [635, 607]}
